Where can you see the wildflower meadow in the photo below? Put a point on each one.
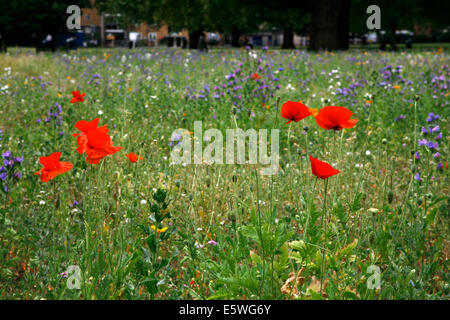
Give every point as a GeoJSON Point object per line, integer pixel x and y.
{"type": "Point", "coordinates": [229, 174]}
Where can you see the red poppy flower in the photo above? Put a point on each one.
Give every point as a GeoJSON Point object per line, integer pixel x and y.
{"type": "Point", "coordinates": [77, 97]}
{"type": "Point", "coordinates": [93, 141]}
{"type": "Point", "coordinates": [85, 126]}
{"type": "Point", "coordinates": [335, 118]}
{"type": "Point", "coordinates": [133, 157]}
{"type": "Point", "coordinates": [52, 166]}
{"type": "Point", "coordinates": [294, 111]}
{"type": "Point", "coordinates": [255, 76]}
{"type": "Point", "coordinates": [322, 169]}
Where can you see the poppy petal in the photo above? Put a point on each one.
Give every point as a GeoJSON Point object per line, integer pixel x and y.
{"type": "Point", "coordinates": [294, 111]}
{"type": "Point", "coordinates": [86, 126]}
{"type": "Point", "coordinates": [51, 161]}
{"type": "Point", "coordinates": [350, 123]}
{"type": "Point", "coordinates": [322, 169]}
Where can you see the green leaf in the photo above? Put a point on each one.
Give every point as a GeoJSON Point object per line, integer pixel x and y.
{"type": "Point", "coordinates": [250, 232]}
{"type": "Point", "coordinates": [356, 205]}
{"type": "Point", "coordinates": [347, 249]}
{"type": "Point", "coordinates": [151, 242]}
{"type": "Point", "coordinates": [151, 285]}
{"type": "Point", "coordinates": [429, 219]}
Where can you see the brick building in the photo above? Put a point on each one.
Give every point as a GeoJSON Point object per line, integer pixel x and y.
{"type": "Point", "coordinates": [104, 29]}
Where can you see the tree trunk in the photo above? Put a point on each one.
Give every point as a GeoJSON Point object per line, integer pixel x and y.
{"type": "Point", "coordinates": [288, 38]}
{"type": "Point", "coordinates": [343, 25]}
{"type": "Point", "coordinates": [235, 36]}
{"type": "Point", "coordinates": [194, 37]}
{"type": "Point", "coordinates": [392, 35]}
{"type": "Point", "coordinates": [329, 25]}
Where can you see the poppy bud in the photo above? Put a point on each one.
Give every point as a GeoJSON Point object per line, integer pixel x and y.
{"type": "Point", "coordinates": [417, 97]}
{"type": "Point", "coordinates": [208, 181]}
{"type": "Point", "coordinates": [177, 183]}
{"type": "Point", "coordinates": [413, 168]}
{"type": "Point", "coordinates": [306, 128]}
{"type": "Point", "coordinates": [419, 202]}
{"type": "Point", "coordinates": [390, 196]}
{"type": "Point", "coordinates": [234, 178]}
{"type": "Point", "coordinates": [190, 196]}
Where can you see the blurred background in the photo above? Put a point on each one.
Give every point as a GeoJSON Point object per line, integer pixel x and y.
{"type": "Point", "coordinates": [203, 24]}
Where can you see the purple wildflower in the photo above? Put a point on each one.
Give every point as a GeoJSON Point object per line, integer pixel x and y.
{"type": "Point", "coordinates": [6, 154]}
{"type": "Point", "coordinates": [422, 142]}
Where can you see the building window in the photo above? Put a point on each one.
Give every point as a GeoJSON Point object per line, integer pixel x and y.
{"type": "Point", "coordinates": [212, 36]}
{"type": "Point", "coordinates": [152, 36]}
{"type": "Point", "coordinates": [87, 17]}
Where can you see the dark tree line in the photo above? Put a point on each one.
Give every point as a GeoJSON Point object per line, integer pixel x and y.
{"type": "Point", "coordinates": [327, 22]}
{"type": "Point", "coordinates": [27, 22]}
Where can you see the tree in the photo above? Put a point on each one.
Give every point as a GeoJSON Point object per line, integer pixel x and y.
{"type": "Point", "coordinates": [233, 17]}
{"type": "Point", "coordinates": [185, 14]}
{"type": "Point", "coordinates": [290, 16]}
{"type": "Point", "coordinates": [329, 25]}
{"type": "Point", "coordinates": [399, 15]}
{"type": "Point", "coordinates": [131, 12]}
{"type": "Point", "coordinates": [27, 22]}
